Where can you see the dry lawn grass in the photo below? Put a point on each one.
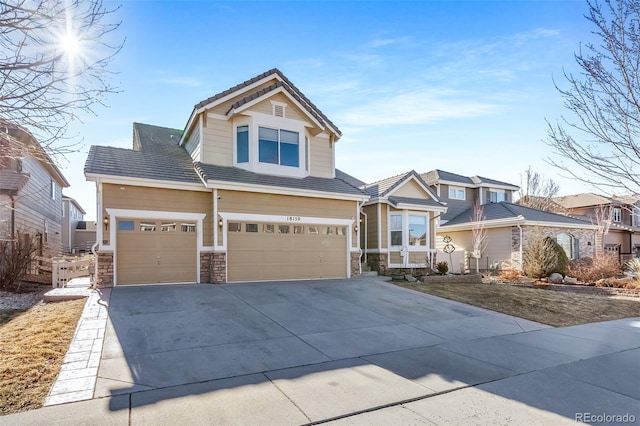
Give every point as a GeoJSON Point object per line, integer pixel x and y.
{"type": "Point", "coordinates": [33, 344]}
{"type": "Point", "coordinates": [556, 308]}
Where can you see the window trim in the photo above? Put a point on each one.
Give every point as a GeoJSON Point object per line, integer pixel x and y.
{"type": "Point", "coordinates": [617, 214]}
{"type": "Point", "coordinates": [497, 192]}
{"type": "Point", "coordinates": [456, 189]}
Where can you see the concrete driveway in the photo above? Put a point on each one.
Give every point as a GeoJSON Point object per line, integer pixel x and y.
{"type": "Point", "coordinates": [353, 352]}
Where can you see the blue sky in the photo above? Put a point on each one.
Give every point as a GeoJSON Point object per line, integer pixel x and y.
{"type": "Point", "coordinates": [463, 86]}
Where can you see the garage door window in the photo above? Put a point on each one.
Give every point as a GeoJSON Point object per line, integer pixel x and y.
{"type": "Point", "coordinates": [126, 225]}
{"type": "Point", "coordinates": [313, 230]}
{"type": "Point", "coordinates": [251, 227]}
{"type": "Point", "coordinates": [188, 227]}
{"type": "Point", "coordinates": [268, 228]}
{"type": "Point", "coordinates": [148, 226]}
{"type": "Point", "coordinates": [341, 230]}
{"type": "Point", "coordinates": [283, 229]}
{"type": "Point", "coordinates": [330, 230]}
{"type": "Point", "coordinates": [168, 227]}
{"type": "Point", "coordinates": [234, 227]}
{"type": "Point", "coordinates": [298, 229]}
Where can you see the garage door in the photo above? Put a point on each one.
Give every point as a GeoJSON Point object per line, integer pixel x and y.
{"type": "Point", "coordinates": [155, 251]}
{"type": "Point", "coordinates": [271, 251]}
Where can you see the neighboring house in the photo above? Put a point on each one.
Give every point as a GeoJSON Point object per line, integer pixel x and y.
{"type": "Point", "coordinates": [508, 229]}
{"type": "Point", "coordinates": [459, 192]}
{"type": "Point", "coordinates": [399, 223]}
{"type": "Point", "coordinates": [77, 235]}
{"type": "Point", "coordinates": [30, 191]}
{"type": "Point", "coordinates": [247, 192]}
{"type": "Point", "coordinates": [623, 212]}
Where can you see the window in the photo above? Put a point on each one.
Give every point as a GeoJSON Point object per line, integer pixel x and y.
{"type": "Point", "coordinates": [341, 230]}
{"type": "Point", "coordinates": [251, 227]}
{"type": "Point", "coordinates": [242, 144]}
{"type": "Point", "coordinates": [313, 230]}
{"type": "Point", "coordinates": [395, 226]}
{"type": "Point", "coordinates": [234, 227]}
{"type": "Point", "coordinates": [417, 230]}
{"type": "Point", "coordinates": [46, 231]}
{"type": "Point", "coordinates": [268, 228]}
{"type": "Point", "coordinates": [188, 227]}
{"type": "Point", "coordinates": [278, 147]}
{"type": "Point", "coordinates": [147, 226]}
{"type": "Point", "coordinates": [125, 225]}
{"type": "Point", "coordinates": [168, 227]}
{"type": "Point", "coordinates": [497, 196]}
{"type": "Point", "coordinates": [456, 193]}
{"type": "Point", "coordinates": [283, 229]}
{"type": "Point", "coordinates": [617, 214]}
{"type": "Point", "coordinates": [568, 243]}
{"type": "Point", "coordinates": [53, 189]}
{"type": "Point", "coordinates": [298, 229]}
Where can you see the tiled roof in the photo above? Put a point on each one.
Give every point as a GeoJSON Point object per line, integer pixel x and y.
{"type": "Point", "coordinates": [311, 183]}
{"type": "Point", "coordinates": [504, 210]}
{"type": "Point", "coordinates": [589, 199]}
{"type": "Point", "coordinates": [417, 201]}
{"type": "Point", "coordinates": [434, 176]}
{"type": "Point", "coordinates": [285, 83]}
{"type": "Point", "coordinates": [353, 181]}
{"type": "Point", "coordinates": [384, 186]}
{"type": "Point", "coordinates": [157, 156]}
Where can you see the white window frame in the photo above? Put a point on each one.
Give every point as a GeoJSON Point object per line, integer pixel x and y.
{"type": "Point", "coordinates": [405, 247]}
{"type": "Point", "coordinates": [497, 192]}
{"type": "Point", "coordinates": [53, 189]}
{"type": "Point", "coordinates": [401, 229]}
{"type": "Point", "coordinates": [617, 214]}
{"type": "Point", "coordinates": [256, 120]}
{"type": "Point", "coordinates": [455, 190]}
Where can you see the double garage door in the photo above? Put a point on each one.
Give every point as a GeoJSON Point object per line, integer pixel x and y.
{"type": "Point", "coordinates": [272, 251]}
{"type": "Point", "coordinates": [155, 251]}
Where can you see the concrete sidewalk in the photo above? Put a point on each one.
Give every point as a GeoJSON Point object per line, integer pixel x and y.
{"type": "Point", "coordinates": [348, 353]}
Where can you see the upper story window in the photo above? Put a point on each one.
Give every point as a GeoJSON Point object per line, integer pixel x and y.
{"type": "Point", "coordinates": [457, 193]}
{"type": "Point", "coordinates": [242, 144]}
{"type": "Point", "coordinates": [53, 189]}
{"type": "Point", "coordinates": [496, 196]}
{"type": "Point", "coordinates": [617, 214]}
{"type": "Point", "coordinates": [278, 146]}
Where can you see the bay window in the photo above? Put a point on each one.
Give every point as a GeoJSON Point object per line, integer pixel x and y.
{"type": "Point", "coordinates": [277, 146]}
{"type": "Point", "coordinates": [417, 230]}
{"type": "Point", "coordinates": [395, 226]}
{"type": "Point", "coordinates": [242, 144]}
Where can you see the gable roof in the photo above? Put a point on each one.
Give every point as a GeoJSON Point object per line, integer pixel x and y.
{"type": "Point", "coordinates": [71, 200]}
{"type": "Point", "coordinates": [504, 211]}
{"type": "Point", "coordinates": [437, 176]}
{"type": "Point", "coordinates": [156, 155]}
{"type": "Point", "coordinates": [383, 187]}
{"type": "Point", "coordinates": [589, 199]}
{"type": "Point", "coordinates": [212, 172]}
{"type": "Point", "coordinates": [353, 181]}
{"type": "Point", "coordinates": [282, 82]}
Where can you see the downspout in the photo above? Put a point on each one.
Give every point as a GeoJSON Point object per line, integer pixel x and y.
{"type": "Point", "coordinates": [366, 224]}
{"type": "Point", "coordinates": [13, 219]}
{"type": "Point", "coordinates": [521, 251]}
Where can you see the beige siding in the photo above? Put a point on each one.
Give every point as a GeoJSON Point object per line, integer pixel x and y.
{"type": "Point", "coordinates": [372, 226]}
{"type": "Point", "coordinates": [193, 143]}
{"type": "Point", "coordinates": [224, 107]}
{"type": "Point", "coordinates": [217, 142]}
{"type": "Point", "coordinates": [410, 189]}
{"type": "Point", "coordinates": [498, 244]}
{"type": "Point", "coordinates": [291, 111]}
{"type": "Point", "coordinates": [321, 157]}
{"type": "Point", "coordinates": [157, 199]}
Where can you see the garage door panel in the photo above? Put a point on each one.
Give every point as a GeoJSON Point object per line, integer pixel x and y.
{"type": "Point", "coordinates": [306, 252]}
{"type": "Point", "coordinates": [155, 256]}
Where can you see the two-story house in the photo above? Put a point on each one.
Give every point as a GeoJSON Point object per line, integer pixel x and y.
{"type": "Point", "coordinates": [248, 191]}
{"type": "Point", "coordinates": [78, 235]}
{"type": "Point", "coordinates": [619, 216]}
{"type": "Point", "coordinates": [30, 191]}
{"type": "Point", "coordinates": [505, 227]}
{"type": "Point", "coordinates": [461, 192]}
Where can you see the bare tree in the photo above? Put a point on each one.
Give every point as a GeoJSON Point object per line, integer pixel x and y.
{"type": "Point", "coordinates": [600, 135]}
{"type": "Point", "coordinates": [602, 218]}
{"type": "Point", "coordinates": [54, 58]}
{"type": "Point", "coordinates": [478, 233]}
{"type": "Point", "coordinates": [537, 192]}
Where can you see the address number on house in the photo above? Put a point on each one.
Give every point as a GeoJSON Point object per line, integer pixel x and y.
{"type": "Point", "coordinates": [293, 219]}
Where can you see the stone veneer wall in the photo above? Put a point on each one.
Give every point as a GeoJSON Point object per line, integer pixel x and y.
{"type": "Point", "coordinates": [218, 268]}
{"type": "Point", "coordinates": [378, 262]}
{"type": "Point", "coordinates": [587, 239]}
{"type": "Point", "coordinates": [355, 265]}
{"type": "Point", "coordinates": [205, 267]}
{"type": "Point", "coordinates": [104, 272]}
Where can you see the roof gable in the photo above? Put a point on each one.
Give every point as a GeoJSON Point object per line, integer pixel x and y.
{"type": "Point", "coordinates": [394, 185]}
{"type": "Point", "coordinates": [440, 176]}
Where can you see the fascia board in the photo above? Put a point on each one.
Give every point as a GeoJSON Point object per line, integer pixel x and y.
{"type": "Point", "coordinates": [152, 183]}
{"type": "Point", "coordinates": [498, 223]}
{"type": "Point", "coordinates": [561, 225]}
{"type": "Point", "coordinates": [235, 186]}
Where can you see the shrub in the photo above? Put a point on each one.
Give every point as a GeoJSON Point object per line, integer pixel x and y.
{"type": "Point", "coordinates": [591, 270]}
{"type": "Point", "coordinates": [634, 267]}
{"type": "Point", "coordinates": [15, 258]}
{"type": "Point", "coordinates": [442, 267]}
{"type": "Point", "coordinates": [541, 258]}
{"type": "Point", "coordinates": [562, 262]}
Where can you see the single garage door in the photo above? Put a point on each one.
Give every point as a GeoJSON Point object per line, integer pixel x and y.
{"type": "Point", "coordinates": [272, 251]}
{"type": "Point", "coordinates": [155, 251]}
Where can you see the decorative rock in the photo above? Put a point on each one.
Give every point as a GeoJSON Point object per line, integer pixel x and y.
{"type": "Point", "coordinates": [556, 278]}
{"type": "Point", "coordinates": [410, 278]}
{"type": "Point", "coordinates": [570, 280]}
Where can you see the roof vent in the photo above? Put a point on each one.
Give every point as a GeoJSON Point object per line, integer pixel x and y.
{"type": "Point", "coordinates": [278, 110]}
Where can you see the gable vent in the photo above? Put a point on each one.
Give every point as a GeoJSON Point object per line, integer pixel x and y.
{"type": "Point", "coordinates": [278, 110]}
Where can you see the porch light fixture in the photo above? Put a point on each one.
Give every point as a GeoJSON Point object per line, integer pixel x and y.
{"type": "Point", "coordinates": [220, 223]}
{"type": "Point", "coordinates": [355, 228]}
{"type": "Point", "coordinates": [106, 222]}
